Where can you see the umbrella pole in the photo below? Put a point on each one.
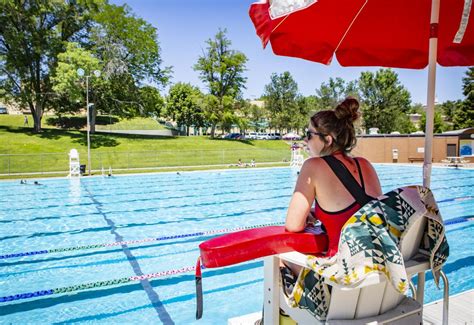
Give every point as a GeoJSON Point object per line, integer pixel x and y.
{"type": "Point", "coordinates": [433, 53]}
{"type": "Point", "coordinates": [433, 47]}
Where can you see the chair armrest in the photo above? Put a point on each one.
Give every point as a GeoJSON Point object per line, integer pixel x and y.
{"type": "Point", "coordinates": [300, 259]}
{"type": "Point", "coordinates": [417, 264]}
{"type": "Point", "coordinates": [294, 257]}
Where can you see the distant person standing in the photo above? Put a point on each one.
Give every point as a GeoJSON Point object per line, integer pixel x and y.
{"type": "Point", "coordinates": [25, 122]}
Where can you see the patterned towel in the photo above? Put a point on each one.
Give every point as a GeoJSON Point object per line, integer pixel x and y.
{"type": "Point", "coordinates": [370, 242]}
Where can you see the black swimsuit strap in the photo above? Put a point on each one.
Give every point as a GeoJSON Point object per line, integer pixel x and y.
{"type": "Point", "coordinates": [360, 174]}
{"type": "Point", "coordinates": [348, 180]}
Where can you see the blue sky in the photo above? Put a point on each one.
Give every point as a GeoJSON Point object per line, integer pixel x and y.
{"type": "Point", "coordinates": [184, 26]}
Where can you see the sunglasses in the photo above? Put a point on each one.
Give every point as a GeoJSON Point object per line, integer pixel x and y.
{"type": "Point", "coordinates": [310, 134]}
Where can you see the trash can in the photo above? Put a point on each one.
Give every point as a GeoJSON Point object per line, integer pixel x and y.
{"type": "Point", "coordinates": [394, 155]}
{"type": "Point", "coordinates": [82, 169]}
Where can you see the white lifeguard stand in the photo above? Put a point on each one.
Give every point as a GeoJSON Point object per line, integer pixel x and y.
{"type": "Point", "coordinates": [74, 164]}
{"type": "Point", "coordinates": [297, 158]}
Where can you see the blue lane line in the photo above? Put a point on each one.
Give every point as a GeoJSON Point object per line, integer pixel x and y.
{"type": "Point", "coordinates": [24, 254]}
{"type": "Point", "coordinates": [27, 295]}
{"type": "Point", "coordinates": [456, 199]}
{"type": "Point", "coordinates": [458, 220]}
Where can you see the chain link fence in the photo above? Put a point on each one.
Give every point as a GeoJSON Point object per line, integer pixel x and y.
{"type": "Point", "coordinates": [58, 163]}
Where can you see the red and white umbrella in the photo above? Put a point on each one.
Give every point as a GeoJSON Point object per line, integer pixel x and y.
{"type": "Point", "coordinates": [389, 33]}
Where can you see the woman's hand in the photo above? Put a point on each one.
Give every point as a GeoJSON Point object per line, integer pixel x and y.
{"type": "Point", "coordinates": [311, 219]}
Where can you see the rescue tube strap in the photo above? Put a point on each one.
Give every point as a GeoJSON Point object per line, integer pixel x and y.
{"type": "Point", "coordinates": [199, 302]}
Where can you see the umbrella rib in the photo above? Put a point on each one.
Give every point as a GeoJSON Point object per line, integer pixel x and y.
{"type": "Point", "coordinates": [281, 22]}
{"type": "Point", "coordinates": [463, 23]}
{"type": "Point", "coordinates": [352, 22]}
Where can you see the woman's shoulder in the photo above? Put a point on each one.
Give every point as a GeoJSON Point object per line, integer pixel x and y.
{"type": "Point", "coordinates": [313, 161]}
{"type": "Point", "coordinates": [363, 162]}
{"type": "Point", "coordinates": [370, 176]}
{"type": "Point", "coordinates": [313, 166]}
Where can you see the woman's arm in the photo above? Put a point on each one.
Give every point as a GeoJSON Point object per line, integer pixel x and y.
{"type": "Point", "coordinates": [302, 199]}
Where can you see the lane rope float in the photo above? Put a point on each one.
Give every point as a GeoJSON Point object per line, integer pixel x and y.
{"type": "Point", "coordinates": [138, 241]}
{"type": "Point", "coordinates": [97, 284]}
{"type": "Point", "coordinates": [106, 283]}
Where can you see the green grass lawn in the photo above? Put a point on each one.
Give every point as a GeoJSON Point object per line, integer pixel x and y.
{"type": "Point", "coordinates": [22, 151]}
{"type": "Point", "coordinates": [16, 120]}
{"type": "Point", "coordinates": [137, 123]}
{"type": "Point", "coordinates": [104, 122]}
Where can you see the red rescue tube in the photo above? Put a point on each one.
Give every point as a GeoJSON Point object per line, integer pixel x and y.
{"type": "Point", "coordinates": [246, 245]}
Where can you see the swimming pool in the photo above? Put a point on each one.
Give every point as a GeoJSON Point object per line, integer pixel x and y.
{"type": "Point", "coordinates": [169, 214]}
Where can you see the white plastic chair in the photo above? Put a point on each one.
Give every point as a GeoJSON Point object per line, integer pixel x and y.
{"type": "Point", "coordinates": [74, 164]}
{"type": "Point", "coordinates": [373, 301]}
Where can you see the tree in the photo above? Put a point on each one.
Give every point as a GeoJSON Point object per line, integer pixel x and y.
{"type": "Point", "coordinates": [416, 108]}
{"type": "Point", "coordinates": [438, 123]}
{"type": "Point", "coordinates": [281, 100]}
{"type": "Point", "coordinates": [228, 120]}
{"type": "Point", "coordinates": [111, 93]}
{"type": "Point", "coordinates": [258, 116]}
{"type": "Point", "coordinates": [183, 105]}
{"type": "Point", "coordinates": [333, 92]}
{"type": "Point", "coordinates": [128, 44]}
{"type": "Point", "coordinates": [130, 54]}
{"type": "Point", "coordinates": [35, 32]}
{"type": "Point", "coordinates": [464, 117]}
{"type": "Point", "coordinates": [449, 108]}
{"type": "Point", "coordinates": [65, 79]}
{"type": "Point", "coordinates": [307, 106]}
{"type": "Point", "coordinates": [385, 101]}
{"type": "Point", "coordinates": [32, 34]}
{"type": "Point", "coordinates": [151, 101]}
{"type": "Point", "coordinates": [118, 95]}
{"type": "Point", "coordinates": [243, 110]}
{"type": "Point", "coordinates": [221, 69]}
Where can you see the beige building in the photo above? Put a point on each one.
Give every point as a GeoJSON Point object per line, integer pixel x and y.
{"type": "Point", "coordinates": [406, 148]}
{"type": "Point", "coordinates": [13, 109]}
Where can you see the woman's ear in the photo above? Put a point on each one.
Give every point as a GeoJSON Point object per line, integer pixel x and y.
{"type": "Point", "coordinates": [329, 140]}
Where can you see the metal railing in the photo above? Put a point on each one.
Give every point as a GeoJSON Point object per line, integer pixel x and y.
{"type": "Point", "coordinates": [58, 163]}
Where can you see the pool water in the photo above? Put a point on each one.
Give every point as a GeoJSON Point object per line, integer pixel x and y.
{"type": "Point", "coordinates": [181, 210]}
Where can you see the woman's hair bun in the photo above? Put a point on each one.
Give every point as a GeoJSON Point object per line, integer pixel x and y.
{"type": "Point", "coordinates": [348, 109]}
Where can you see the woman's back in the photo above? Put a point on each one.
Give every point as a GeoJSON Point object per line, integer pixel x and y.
{"type": "Point", "coordinates": [341, 190]}
{"type": "Point", "coordinates": [331, 194]}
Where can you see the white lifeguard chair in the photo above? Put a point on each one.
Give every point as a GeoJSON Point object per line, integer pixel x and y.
{"type": "Point", "coordinates": [297, 158]}
{"type": "Point", "coordinates": [373, 301]}
{"type": "Point", "coordinates": [74, 164]}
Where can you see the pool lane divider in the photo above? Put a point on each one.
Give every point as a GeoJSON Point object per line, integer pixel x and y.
{"type": "Point", "coordinates": [98, 284]}
{"type": "Point", "coordinates": [106, 283]}
{"type": "Point", "coordinates": [201, 233]}
{"type": "Point", "coordinates": [139, 241]}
